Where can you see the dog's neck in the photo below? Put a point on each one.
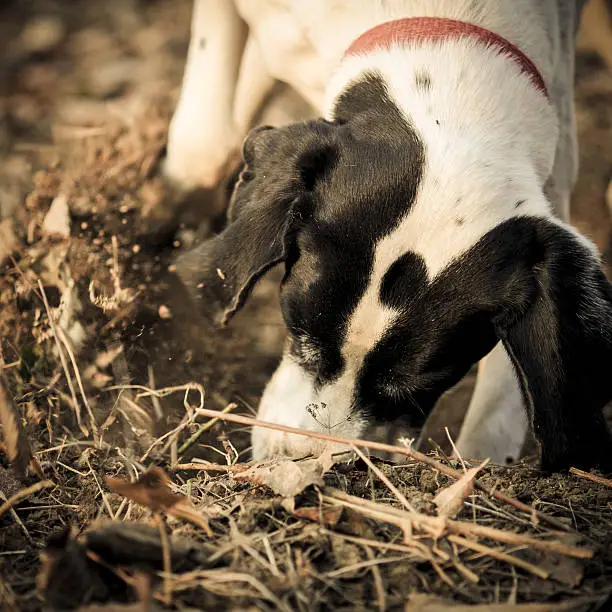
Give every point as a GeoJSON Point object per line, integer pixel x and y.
{"type": "Point", "coordinates": [440, 29]}
{"type": "Point", "coordinates": [472, 103]}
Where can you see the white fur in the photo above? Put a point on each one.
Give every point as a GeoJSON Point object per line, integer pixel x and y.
{"type": "Point", "coordinates": [490, 139]}
{"type": "Point", "coordinates": [496, 422]}
{"type": "Point", "coordinates": [203, 138]}
{"type": "Point", "coordinates": [288, 397]}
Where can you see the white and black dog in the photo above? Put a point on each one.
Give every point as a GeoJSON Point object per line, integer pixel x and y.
{"type": "Point", "coordinates": [422, 222]}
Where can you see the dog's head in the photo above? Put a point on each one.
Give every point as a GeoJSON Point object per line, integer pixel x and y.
{"type": "Point", "coordinates": [377, 326]}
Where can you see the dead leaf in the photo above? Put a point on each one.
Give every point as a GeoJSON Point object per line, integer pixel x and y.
{"type": "Point", "coordinates": [152, 490]}
{"type": "Point", "coordinates": [449, 500]}
{"type": "Point", "coordinates": [286, 477]}
{"type": "Point", "coordinates": [563, 569]}
{"type": "Point", "coordinates": [327, 516]}
{"type": "Point", "coordinates": [17, 446]}
{"type": "Point", "coordinates": [57, 219]}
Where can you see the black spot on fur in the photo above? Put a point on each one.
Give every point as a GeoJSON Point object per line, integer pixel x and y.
{"type": "Point", "coordinates": [422, 81]}
{"type": "Point", "coordinates": [403, 280]}
{"type": "Point", "coordinates": [519, 203]}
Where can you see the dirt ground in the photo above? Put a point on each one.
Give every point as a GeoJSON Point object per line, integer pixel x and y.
{"type": "Point", "coordinates": [86, 91]}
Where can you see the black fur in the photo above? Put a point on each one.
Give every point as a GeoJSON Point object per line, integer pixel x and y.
{"type": "Point", "coordinates": [531, 284]}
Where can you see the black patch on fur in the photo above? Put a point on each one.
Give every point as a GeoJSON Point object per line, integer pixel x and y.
{"type": "Point", "coordinates": [531, 284]}
{"type": "Point", "coordinates": [422, 81]}
{"type": "Point", "coordinates": [373, 182]}
{"type": "Point", "coordinates": [403, 281]}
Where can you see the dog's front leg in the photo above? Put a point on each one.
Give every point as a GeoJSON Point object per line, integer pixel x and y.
{"type": "Point", "coordinates": [202, 140]}
{"type": "Point", "coordinates": [496, 422]}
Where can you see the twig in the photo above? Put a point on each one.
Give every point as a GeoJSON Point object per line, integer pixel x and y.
{"type": "Point", "coordinates": [14, 364]}
{"type": "Point", "coordinates": [361, 565]}
{"type": "Point", "coordinates": [465, 571]}
{"type": "Point", "coordinates": [607, 482]}
{"type": "Point", "coordinates": [500, 555]}
{"type": "Point", "coordinates": [19, 522]}
{"type": "Point", "coordinates": [60, 350]}
{"type": "Point", "coordinates": [104, 499]}
{"type": "Point", "coordinates": [147, 391]}
{"type": "Point", "coordinates": [389, 448]}
{"type": "Point", "coordinates": [405, 548]}
{"type": "Point", "coordinates": [400, 496]}
{"type": "Point", "coordinates": [455, 449]}
{"type": "Point", "coordinates": [185, 421]}
{"type": "Point", "coordinates": [186, 580]}
{"type": "Point", "coordinates": [165, 544]}
{"type": "Point", "coordinates": [203, 428]}
{"type": "Point", "coordinates": [66, 342]}
{"type": "Point", "coordinates": [379, 585]}
{"type": "Point", "coordinates": [437, 525]}
{"type": "Point", "coordinates": [159, 413]}
{"type": "Point", "coordinates": [25, 493]}
{"type": "Point", "coordinates": [212, 467]}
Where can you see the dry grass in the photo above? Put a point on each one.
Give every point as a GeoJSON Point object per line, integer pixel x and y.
{"type": "Point", "coordinates": [132, 489]}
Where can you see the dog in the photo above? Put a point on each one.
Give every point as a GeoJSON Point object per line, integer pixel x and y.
{"type": "Point", "coordinates": [421, 217]}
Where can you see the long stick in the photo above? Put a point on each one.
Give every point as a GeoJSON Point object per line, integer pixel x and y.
{"type": "Point", "coordinates": [434, 524]}
{"type": "Point", "coordinates": [388, 448]}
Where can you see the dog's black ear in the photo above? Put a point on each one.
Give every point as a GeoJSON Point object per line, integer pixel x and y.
{"type": "Point", "coordinates": [560, 342]}
{"type": "Point", "coordinates": [271, 198]}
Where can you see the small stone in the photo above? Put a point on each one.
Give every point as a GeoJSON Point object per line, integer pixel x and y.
{"type": "Point", "coordinates": [57, 219]}
{"type": "Point", "coordinates": [164, 312]}
{"type": "Point", "coordinates": [42, 34]}
{"type": "Point", "coordinates": [136, 249]}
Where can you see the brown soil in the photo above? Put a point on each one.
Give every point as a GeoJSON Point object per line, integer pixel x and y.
{"type": "Point", "coordinates": [84, 104]}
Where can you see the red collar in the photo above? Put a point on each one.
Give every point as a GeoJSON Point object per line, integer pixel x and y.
{"type": "Point", "coordinates": [420, 29]}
